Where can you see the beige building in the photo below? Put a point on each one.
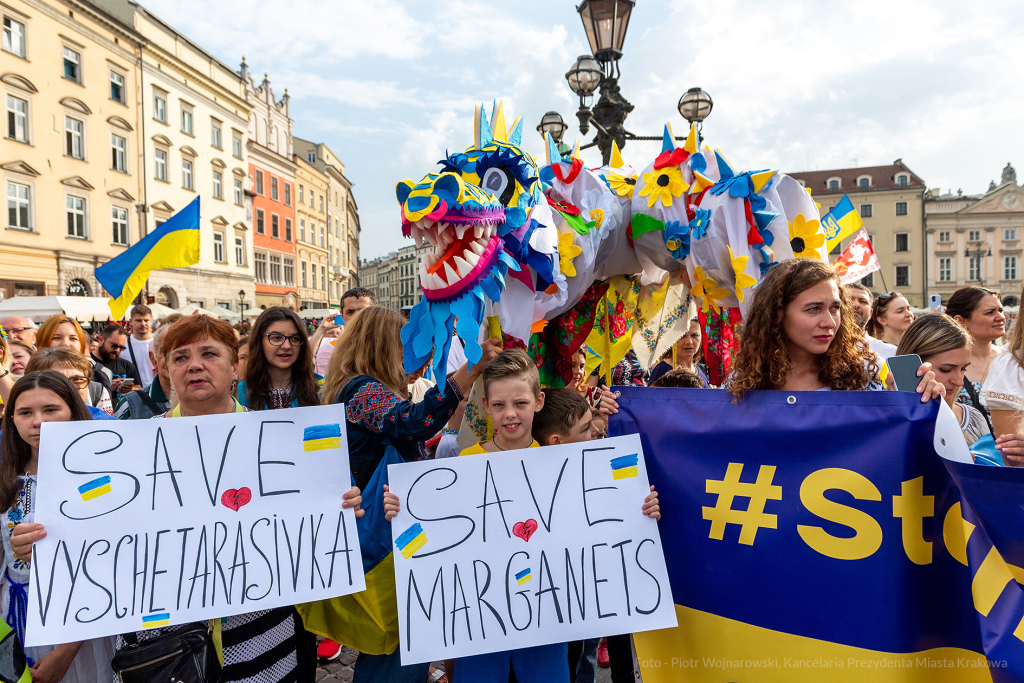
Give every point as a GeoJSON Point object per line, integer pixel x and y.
{"type": "Point", "coordinates": [311, 249]}
{"type": "Point", "coordinates": [976, 239]}
{"type": "Point", "coordinates": [382, 275]}
{"type": "Point", "coordinates": [342, 217]}
{"type": "Point", "coordinates": [890, 201]}
{"type": "Point", "coordinates": [70, 155]}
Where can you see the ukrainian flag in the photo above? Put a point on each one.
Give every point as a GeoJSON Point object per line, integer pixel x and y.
{"type": "Point", "coordinates": [625, 466]}
{"type": "Point", "coordinates": [156, 620]}
{"type": "Point", "coordinates": [524, 577]}
{"type": "Point", "coordinates": [95, 488]}
{"type": "Point", "coordinates": [174, 244]}
{"type": "Point", "coordinates": [841, 222]}
{"type": "Point", "coordinates": [411, 540]}
{"type": "Point", "coordinates": [321, 438]}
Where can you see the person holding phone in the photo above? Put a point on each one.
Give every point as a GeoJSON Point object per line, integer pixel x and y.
{"type": "Point", "coordinates": [112, 341]}
{"type": "Point", "coordinates": [801, 336]}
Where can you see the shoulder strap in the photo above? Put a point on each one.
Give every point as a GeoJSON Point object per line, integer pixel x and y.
{"type": "Point", "coordinates": [131, 350]}
{"type": "Point", "coordinates": [148, 400]}
{"type": "Point", "coordinates": [976, 401]}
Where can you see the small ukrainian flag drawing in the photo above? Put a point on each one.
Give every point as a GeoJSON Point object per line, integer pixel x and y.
{"type": "Point", "coordinates": [411, 540]}
{"type": "Point", "coordinates": [524, 577]}
{"type": "Point", "coordinates": [321, 437]}
{"type": "Point", "coordinates": [624, 467]}
{"type": "Point", "coordinates": [95, 488]}
{"type": "Point", "coordinates": [156, 620]}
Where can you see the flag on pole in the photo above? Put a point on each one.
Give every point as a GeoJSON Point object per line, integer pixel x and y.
{"type": "Point", "coordinates": [172, 245]}
{"type": "Point", "coordinates": [841, 222]}
{"type": "Point", "coordinates": [857, 260]}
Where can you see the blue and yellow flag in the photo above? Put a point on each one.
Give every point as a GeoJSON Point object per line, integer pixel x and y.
{"type": "Point", "coordinates": [818, 536]}
{"type": "Point", "coordinates": [174, 244]}
{"type": "Point", "coordinates": [841, 222]}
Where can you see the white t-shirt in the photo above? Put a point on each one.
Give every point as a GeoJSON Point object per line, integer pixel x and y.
{"type": "Point", "coordinates": [323, 355]}
{"type": "Point", "coordinates": [1004, 384]}
{"type": "Point", "coordinates": [456, 355]}
{"type": "Point", "coordinates": [882, 349]}
{"type": "Point", "coordinates": [141, 349]}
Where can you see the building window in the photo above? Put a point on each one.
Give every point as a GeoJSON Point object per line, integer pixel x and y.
{"type": "Point", "coordinates": [186, 120]}
{"type": "Point", "coordinates": [261, 267]}
{"type": "Point", "coordinates": [238, 192]}
{"type": "Point", "coordinates": [236, 145]}
{"type": "Point", "coordinates": [868, 280]}
{"type": "Point", "coordinates": [902, 180]}
{"type": "Point", "coordinates": [119, 225]}
{"type": "Point", "coordinates": [974, 235]}
{"type": "Point", "coordinates": [74, 138]}
{"type": "Point", "coordinates": [218, 181]}
{"type": "Point", "coordinates": [945, 269]}
{"type": "Point", "coordinates": [865, 210]}
{"type": "Point", "coordinates": [260, 228]}
{"type": "Point", "coordinates": [116, 87]}
{"type": "Point", "coordinates": [302, 192]}
{"type": "Point", "coordinates": [312, 157]}
{"type": "Point", "coordinates": [902, 241]}
{"type": "Point", "coordinates": [901, 208]}
{"type": "Point", "coordinates": [864, 183]}
{"type": "Point", "coordinates": [275, 269]}
{"type": "Point", "coordinates": [944, 236]}
{"type": "Point", "coordinates": [974, 268]}
{"type": "Point", "coordinates": [833, 185]}
{"type": "Point", "coordinates": [322, 241]}
{"type": "Point", "coordinates": [239, 251]}
{"type": "Point", "coordinates": [302, 271]}
{"type": "Point", "coordinates": [14, 37]}
{"type": "Point", "coordinates": [323, 277]}
{"type": "Point", "coordinates": [1009, 267]}
{"type": "Point", "coordinates": [302, 230]}
{"type": "Point", "coordinates": [336, 234]}
{"type": "Point", "coordinates": [321, 203]}
{"type": "Point", "coordinates": [259, 183]}
{"type": "Point", "coordinates": [72, 65]}
{"type": "Point", "coordinates": [289, 272]}
{"type": "Point", "coordinates": [160, 106]}
{"type": "Point", "coordinates": [118, 153]}
{"type": "Point", "coordinates": [17, 119]}
{"type": "Point", "coordinates": [218, 247]}
{"type": "Point", "coordinates": [902, 276]}
{"type": "Point", "coordinates": [18, 206]}
{"type": "Point", "coordinates": [160, 170]}
{"type": "Point", "coordinates": [186, 174]}
{"type": "Point", "coordinates": [311, 205]}
{"type": "Point", "coordinates": [275, 227]}
{"type": "Point", "coordinates": [312, 276]}
{"type": "Point", "coordinates": [1009, 234]}
{"type": "Point", "coordinates": [215, 134]}
{"type": "Point", "coordinates": [273, 188]}
{"type": "Point", "coordinates": [288, 229]}
{"type": "Point", "coordinates": [287, 194]}
{"type": "Point", "coordinates": [76, 216]}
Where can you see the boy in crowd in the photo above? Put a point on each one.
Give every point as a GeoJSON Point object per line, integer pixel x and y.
{"type": "Point", "coordinates": [565, 418]}
{"type": "Point", "coordinates": [679, 379]}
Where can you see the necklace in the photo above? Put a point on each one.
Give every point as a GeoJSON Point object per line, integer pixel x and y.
{"type": "Point", "coordinates": [816, 379]}
{"type": "Point", "coordinates": [494, 440]}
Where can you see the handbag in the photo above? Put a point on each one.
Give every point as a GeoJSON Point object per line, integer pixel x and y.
{"type": "Point", "coordinates": [184, 656]}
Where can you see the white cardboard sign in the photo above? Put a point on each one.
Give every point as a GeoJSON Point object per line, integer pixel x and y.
{"type": "Point", "coordinates": [167, 521]}
{"type": "Point", "coordinates": [501, 551]}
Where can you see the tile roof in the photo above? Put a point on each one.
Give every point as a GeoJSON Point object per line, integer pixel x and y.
{"type": "Point", "coordinates": [882, 178]}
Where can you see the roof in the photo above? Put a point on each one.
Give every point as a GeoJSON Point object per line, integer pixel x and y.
{"type": "Point", "coordinates": [882, 178]}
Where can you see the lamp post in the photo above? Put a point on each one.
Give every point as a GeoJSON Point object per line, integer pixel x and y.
{"type": "Point", "coordinates": [605, 22]}
{"type": "Point", "coordinates": [978, 253]}
{"type": "Point", "coordinates": [241, 300]}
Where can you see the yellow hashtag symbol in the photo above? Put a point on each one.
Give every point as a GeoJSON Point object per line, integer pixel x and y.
{"type": "Point", "coordinates": [754, 516]}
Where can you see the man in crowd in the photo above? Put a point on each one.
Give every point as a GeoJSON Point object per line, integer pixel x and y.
{"type": "Point", "coordinates": [352, 301]}
{"type": "Point", "coordinates": [112, 340]}
{"type": "Point", "coordinates": [153, 399]}
{"type": "Point", "coordinates": [141, 320]}
{"type": "Point", "coordinates": [20, 328]}
{"type": "Point", "coordinates": [860, 298]}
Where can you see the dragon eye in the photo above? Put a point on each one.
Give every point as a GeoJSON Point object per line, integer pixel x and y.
{"type": "Point", "coordinates": [495, 181]}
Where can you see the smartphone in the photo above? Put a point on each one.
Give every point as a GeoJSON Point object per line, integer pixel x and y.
{"type": "Point", "coordinates": [904, 371]}
{"type": "Point", "coordinates": [935, 303]}
{"type": "Point", "coordinates": [338, 320]}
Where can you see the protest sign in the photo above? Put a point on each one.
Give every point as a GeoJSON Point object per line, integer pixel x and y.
{"type": "Point", "coordinates": [501, 551]}
{"type": "Point", "coordinates": [161, 522]}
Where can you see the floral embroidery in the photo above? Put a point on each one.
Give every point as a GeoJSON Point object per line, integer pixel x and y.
{"type": "Point", "coordinates": [22, 507]}
{"type": "Point", "coordinates": [371, 405]}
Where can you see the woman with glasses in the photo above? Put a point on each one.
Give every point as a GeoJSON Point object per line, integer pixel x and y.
{"type": "Point", "coordinates": [890, 318]}
{"type": "Point", "coordinates": [76, 368]}
{"type": "Point", "coordinates": [279, 370]}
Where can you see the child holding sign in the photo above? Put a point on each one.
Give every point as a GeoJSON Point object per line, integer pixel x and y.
{"type": "Point", "coordinates": [38, 397]}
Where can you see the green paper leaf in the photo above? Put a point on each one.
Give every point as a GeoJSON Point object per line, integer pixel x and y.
{"type": "Point", "coordinates": [643, 224]}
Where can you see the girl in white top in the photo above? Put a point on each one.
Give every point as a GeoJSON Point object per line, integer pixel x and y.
{"type": "Point", "coordinates": [1003, 391]}
{"type": "Point", "coordinates": [980, 312]}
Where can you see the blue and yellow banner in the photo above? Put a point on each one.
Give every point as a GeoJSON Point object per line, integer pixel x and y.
{"type": "Point", "coordinates": [174, 244]}
{"type": "Point", "coordinates": [816, 536]}
{"type": "Point", "coordinates": [841, 222]}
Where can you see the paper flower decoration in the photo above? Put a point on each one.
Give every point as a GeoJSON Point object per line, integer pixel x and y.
{"type": "Point", "coordinates": [708, 290]}
{"type": "Point", "coordinates": [622, 185]}
{"type": "Point", "coordinates": [805, 237]}
{"type": "Point", "coordinates": [699, 224]}
{"type": "Point", "coordinates": [663, 184]}
{"type": "Point", "coordinates": [603, 210]}
{"type": "Point", "coordinates": [677, 239]}
{"type": "Point", "coordinates": [567, 251]}
{"type": "Point", "coordinates": [743, 281]}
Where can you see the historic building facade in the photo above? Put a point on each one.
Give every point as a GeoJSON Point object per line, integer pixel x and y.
{"type": "Point", "coordinates": [311, 250]}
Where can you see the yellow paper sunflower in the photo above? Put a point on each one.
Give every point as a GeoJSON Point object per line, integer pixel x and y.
{"type": "Point", "coordinates": [708, 290]}
{"type": "Point", "coordinates": [805, 237]}
{"type": "Point", "coordinates": [663, 183]}
{"type": "Point", "coordinates": [567, 251]}
{"type": "Point", "coordinates": [620, 184]}
{"type": "Point", "coordinates": [743, 281]}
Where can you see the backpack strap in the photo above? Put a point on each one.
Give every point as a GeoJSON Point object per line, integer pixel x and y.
{"type": "Point", "coordinates": [148, 400]}
{"type": "Point", "coordinates": [976, 401]}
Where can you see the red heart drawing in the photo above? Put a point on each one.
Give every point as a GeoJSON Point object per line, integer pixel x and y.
{"type": "Point", "coordinates": [525, 529]}
{"type": "Point", "coordinates": [236, 498]}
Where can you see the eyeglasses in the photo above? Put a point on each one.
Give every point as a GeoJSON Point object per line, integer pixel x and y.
{"type": "Point", "coordinates": [80, 382]}
{"type": "Point", "coordinates": [15, 330]}
{"type": "Point", "coordinates": [276, 339]}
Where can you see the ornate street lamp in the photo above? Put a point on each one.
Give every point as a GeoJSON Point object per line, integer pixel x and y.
{"type": "Point", "coordinates": [552, 123]}
{"type": "Point", "coordinates": [605, 22]}
{"type": "Point", "coordinates": [584, 78]}
{"type": "Point", "coordinates": [241, 299]}
{"type": "Point", "coordinates": [695, 105]}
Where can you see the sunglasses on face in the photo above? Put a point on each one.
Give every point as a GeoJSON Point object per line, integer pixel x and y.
{"type": "Point", "coordinates": [276, 339]}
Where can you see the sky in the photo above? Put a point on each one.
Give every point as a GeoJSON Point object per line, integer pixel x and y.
{"type": "Point", "coordinates": [797, 85]}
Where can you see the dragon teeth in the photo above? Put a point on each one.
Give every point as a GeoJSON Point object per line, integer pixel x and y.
{"type": "Point", "coordinates": [472, 259]}
{"type": "Point", "coordinates": [450, 273]}
{"type": "Point", "coordinates": [463, 266]}
{"type": "Point", "coordinates": [460, 229]}
{"type": "Point", "coordinates": [477, 248]}
{"type": "Point", "coordinates": [438, 282]}
{"type": "Point", "coordinates": [478, 231]}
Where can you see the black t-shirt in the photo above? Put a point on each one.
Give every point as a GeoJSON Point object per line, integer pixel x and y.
{"type": "Point", "coordinates": [120, 367]}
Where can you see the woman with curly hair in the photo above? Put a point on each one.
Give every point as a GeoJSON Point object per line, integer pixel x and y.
{"type": "Point", "coordinates": [801, 336]}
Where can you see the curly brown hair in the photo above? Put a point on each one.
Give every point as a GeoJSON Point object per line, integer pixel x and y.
{"type": "Point", "coordinates": [762, 361]}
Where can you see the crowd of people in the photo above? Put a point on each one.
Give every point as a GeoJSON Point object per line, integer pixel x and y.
{"type": "Point", "coordinates": [804, 332]}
